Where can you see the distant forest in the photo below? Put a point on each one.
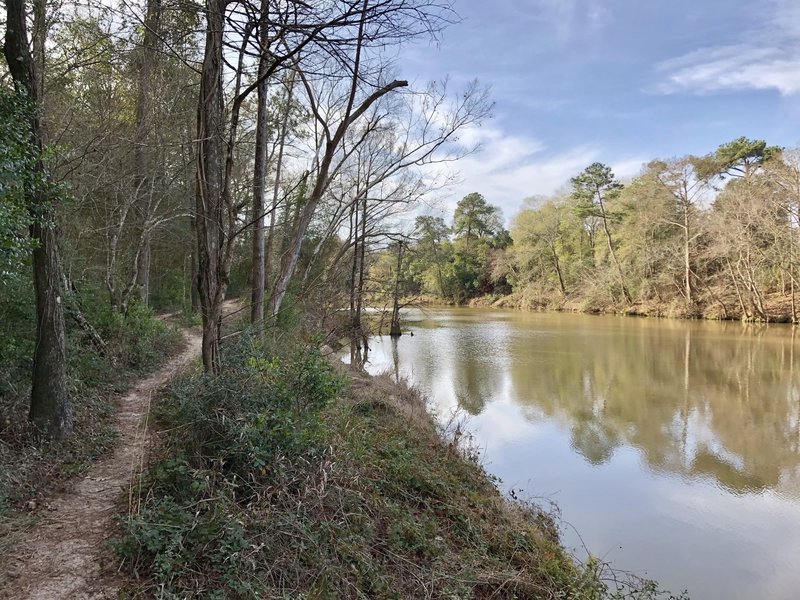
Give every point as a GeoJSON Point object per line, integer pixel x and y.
{"type": "Point", "coordinates": [713, 236]}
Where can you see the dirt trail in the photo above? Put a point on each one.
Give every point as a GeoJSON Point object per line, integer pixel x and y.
{"type": "Point", "coordinates": [61, 556]}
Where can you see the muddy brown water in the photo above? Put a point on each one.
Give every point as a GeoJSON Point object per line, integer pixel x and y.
{"type": "Point", "coordinates": [671, 447]}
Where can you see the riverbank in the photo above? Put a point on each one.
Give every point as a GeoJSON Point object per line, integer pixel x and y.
{"type": "Point", "coordinates": [777, 308]}
{"type": "Point", "coordinates": [288, 477]}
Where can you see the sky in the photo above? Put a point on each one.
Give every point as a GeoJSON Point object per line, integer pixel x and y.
{"type": "Point", "coordinates": [616, 81]}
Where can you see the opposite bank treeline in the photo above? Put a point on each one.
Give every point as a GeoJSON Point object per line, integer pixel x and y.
{"type": "Point", "coordinates": [712, 236]}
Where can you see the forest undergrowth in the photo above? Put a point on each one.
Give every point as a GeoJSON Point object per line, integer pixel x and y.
{"type": "Point", "coordinates": [287, 477]}
{"type": "Point", "coordinates": [32, 468]}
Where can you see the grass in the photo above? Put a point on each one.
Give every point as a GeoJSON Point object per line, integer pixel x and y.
{"type": "Point", "coordinates": [281, 479]}
{"type": "Point", "coordinates": [30, 468]}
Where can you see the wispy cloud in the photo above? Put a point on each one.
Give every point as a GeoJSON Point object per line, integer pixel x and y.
{"type": "Point", "coordinates": [510, 168]}
{"type": "Point", "coordinates": [568, 18]}
{"type": "Point", "coordinates": [766, 58]}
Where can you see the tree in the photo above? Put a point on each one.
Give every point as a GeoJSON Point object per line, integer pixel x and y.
{"type": "Point", "coordinates": [431, 233]}
{"type": "Point", "coordinates": [592, 189]}
{"type": "Point", "coordinates": [784, 172]}
{"type": "Point", "coordinates": [51, 411]}
{"type": "Point", "coordinates": [345, 41]}
{"type": "Point", "coordinates": [123, 121]}
{"type": "Point", "coordinates": [743, 237]}
{"type": "Point", "coordinates": [680, 178]}
{"type": "Point", "coordinates": [650, 243]}
{"type": "Point", "coordinates": [538, 232]}
{"type": "Point", "coordinates": [741, 157]}
{"type": "Point", "coordinates": [394, 329]}
{"type": "Point", "coordinates": [475, 216]}
{"type": "Point", "coordinates": [744, 219]}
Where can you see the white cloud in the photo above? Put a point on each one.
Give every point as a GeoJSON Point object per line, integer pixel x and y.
{"type": "Point", "coordinates": [766, 58]}
{"type": "Point", "coordinates": [511, 167]}
{"type": "Point", "coordinates": [731, 68]}
{"type": "Point", "coordinates": [627, 169]}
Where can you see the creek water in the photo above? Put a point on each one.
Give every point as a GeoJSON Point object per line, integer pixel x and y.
{"type": "Point", "coordinates": [672, 448]}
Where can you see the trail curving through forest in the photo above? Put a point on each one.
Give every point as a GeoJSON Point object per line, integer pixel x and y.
{"type": "Point", "coordinates": [62, 555]}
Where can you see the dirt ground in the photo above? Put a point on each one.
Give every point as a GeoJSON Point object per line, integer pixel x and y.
{"type": "Point", "coordinates": [62, 555]}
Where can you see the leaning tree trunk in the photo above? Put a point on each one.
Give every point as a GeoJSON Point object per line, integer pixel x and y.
{"type": "Point", "coordinates": [557, 265]}
{"type": "Point", "coordinates": [613, 254]}
{"type": "Point", "coordinates": [289, 263]}
{"type": "Point", "coordinates": [276, 187]}
{"type": "Point", "coordinates": [50, 411]}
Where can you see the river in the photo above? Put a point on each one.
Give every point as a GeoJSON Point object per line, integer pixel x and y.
{"type": "Point", "coordinates": [672, 448]}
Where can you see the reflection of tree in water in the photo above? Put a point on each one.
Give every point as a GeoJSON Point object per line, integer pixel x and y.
{"type": "Point", "coordinates": [477, 374]}
{"type": "Point", "coordinates": [593, 439]}
{"type": "Point", "coordinates": [473, 393]}
{"type": "Point", "coordinates": [359, 352]}
{"type": "Point", "coordinates": [395, 340]}
{"type": "Point", "coordinates": [706, 463]}
{"type": "Point", "coordinates": [697, 400]}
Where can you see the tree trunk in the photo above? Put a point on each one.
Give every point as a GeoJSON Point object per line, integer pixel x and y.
{"type": "Point", "coordinates": [394, 329]}
{"type": "Point", "coordinates": [355, 316]}
{"type": "Point", "coordinates": [745, 314]}
{"type": "Point", "coordinates": [557, 265]}
{"type": "Point", "coordinates": [50, 411]}
{"type": "Point", "coordinates": [276, 188]}
{"type": "Point", "coordinates": [289, 263]}
{"type": "Point", "coordinates": [351, 115]}
{"type": "Point", "coordinates": [143, 269]}
{"type": "Point", "coordinates": [194, 288]}
{"type": "Point", "coordinates": [687, 265]}
{"type": "Point", "coordinates": [613, 254]}
{"type": "Point", "coordinates": [73, 310]}
{"type": "Point", "coordinates": [210, 206]}
{"type": "Point", "coordinates": [148, 59]}
{"type": "Point", "coordinates": [259, 177]}
{"type": "Point", "coordinates": [361, 263]}
{"type": "Point", "coordinates": [439, 277]}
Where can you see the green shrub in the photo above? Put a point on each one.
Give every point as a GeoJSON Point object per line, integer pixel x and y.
{"type": "Point", "coordinates": [233, 437]}
{"type": "Point", "coordinates": [265, 405]}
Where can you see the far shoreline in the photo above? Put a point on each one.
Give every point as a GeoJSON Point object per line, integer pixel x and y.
{"type": "Point", "coordinates": [573, 306]}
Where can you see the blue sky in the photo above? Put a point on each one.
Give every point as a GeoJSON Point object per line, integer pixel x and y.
{"type": "Point", "coordinates": [619, 81]}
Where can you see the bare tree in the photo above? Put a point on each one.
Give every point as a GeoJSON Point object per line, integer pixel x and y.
{"type": "Point", "coordinates": [680, 178]}
{"type": "Point", "coordinates": [389, 151]}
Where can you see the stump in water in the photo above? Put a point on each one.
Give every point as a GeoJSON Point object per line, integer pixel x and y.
{"type": "Point", "coordinates": [395, 331]}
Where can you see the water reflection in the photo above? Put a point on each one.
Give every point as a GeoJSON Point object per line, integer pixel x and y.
{"type": "Point", "coordinates": [675, 444]}
{"type": "Point", "coordinates": [698, 399]}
